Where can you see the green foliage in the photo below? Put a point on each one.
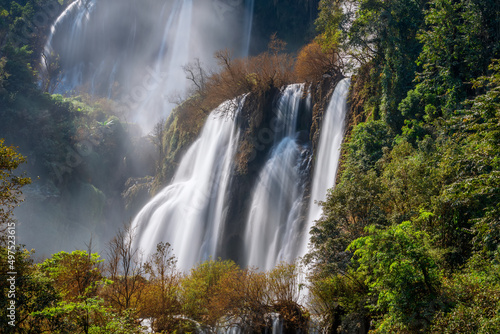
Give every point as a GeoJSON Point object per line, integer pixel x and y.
{"type": "Point", "coordinates": [409, 179]}
{"type": "Point", "coordinates": [428, 168]}
{"type": "Point", "coordinates": [473, 298]}
{"type": "Point", "coordinates": [10, 183]}
{"type": "Point", "coordinates": [399, 267]}
{"type": "Point", "coordinates": [453, 51]}
{"type": "Point", "coordinates": [33, 290]}
{"type": "Point", "coordinates": [474, 165]}
{"type": "Point", "coordinates": [382, 33]}
{"type": "Point", "coordinates": [76, 274]}
{"type": "Point", "coordinates": [89, 316]}
{"type": "Point", "coordinates": [201, 288]}
{"type": "Point", "coordinates": [367, 142]}
{"type": "Point", "coordinates": [353, 205]}
{"type": "Point", "coordinates": [329, 24]}
{"type": "Point", "coordinates": [340, 300]}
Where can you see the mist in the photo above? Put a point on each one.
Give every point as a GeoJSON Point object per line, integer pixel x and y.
{"type": "Point", "coordinates": [133, 51]}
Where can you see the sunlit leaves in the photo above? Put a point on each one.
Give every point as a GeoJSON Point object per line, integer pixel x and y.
{"type": "Point", "coordinates": [75, 274]}
{"type": "Point", "coordinates": [399, 267]}
{"type": "Point", "coordinates": [10, 183]}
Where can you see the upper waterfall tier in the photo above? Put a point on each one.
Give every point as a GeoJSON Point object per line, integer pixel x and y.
{"type": "Point", "coordinates": [134, 51]}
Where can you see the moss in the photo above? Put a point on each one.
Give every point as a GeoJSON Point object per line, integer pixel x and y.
{"type": "Point", "coordinates": [181, 129]}
{"type": "Point", "coordinates": [137, 192]}
{"type": "Point", "coordinates": [90, 202]}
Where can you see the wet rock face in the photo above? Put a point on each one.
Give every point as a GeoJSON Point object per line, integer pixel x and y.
{"type": "Point", "coordinates": [254, 146]}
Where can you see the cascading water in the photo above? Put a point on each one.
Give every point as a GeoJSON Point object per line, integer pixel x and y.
{"type": "Point", "coordinates": [328, 155]}
{"type": "Point", "coordinates": [273, 224]}
{"type": "Point", "coordinates": [277, 325]}
{"type": "Point", "coordinates": [188, 212]}
{"type": "Point", "coordinates": [133, 51]}
{"type": "Point", "coordinates": [249, 6]}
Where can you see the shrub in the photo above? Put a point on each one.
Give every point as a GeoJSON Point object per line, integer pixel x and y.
{"type": "Point", "coordinates": [313, 62]}
{"type": "Point", "coordinates": [239, 76]}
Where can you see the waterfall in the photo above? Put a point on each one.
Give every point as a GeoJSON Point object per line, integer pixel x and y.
{"type": "Point", "coordinates": [133, 51]}
{"type": "Point", "coordinates": [189, 211]}
{"type": "Point", "coordinates": [272, 227]}
{"type": "Point", "coordinates": [327, 157]}
{"type": "Point", "coordinates": [169, 62]}
{"type": "Point", "coordinates": [73, 20]}
{"type": "Point", "coordinates": [249, 6]}
{"type": "Point", "coordinates": [277, 325]}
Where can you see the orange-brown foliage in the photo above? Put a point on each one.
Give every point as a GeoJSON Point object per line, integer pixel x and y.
{"type": "Point", "coordinates": [239, 76]}
{"type": "Point", "coordinates": [313, 62]}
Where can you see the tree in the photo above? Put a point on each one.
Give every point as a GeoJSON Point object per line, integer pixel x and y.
{"type": "Point", "coordinates": [10, 186]}
{"type": "Point", "coordinates": [76, 274]}
{"type": "Point", "coordinates": [76, 277]}
{"type": "Point", "coordinates": [90, 316]}
{"type": "Point", "coordinates": [352, 205]}
{"type": "Point", "coordinates": [160, 298]}
{"type": "Point", "coordinates": [284, 285]}
{"type": "Point", "coordinates": [400, 268]}
{"type": "Point", "coordinates": [469, 201]}
{"type": "Point", "coordinates": [33, 292]}
{"type": "Point", "coordinates": [458, 43]}
{"type": "Point", "coordinates": [125, 270]}
{"type": "Point", "coordinates": [208, 294]}
{"type": "Point", "coordinates": [472, 300]}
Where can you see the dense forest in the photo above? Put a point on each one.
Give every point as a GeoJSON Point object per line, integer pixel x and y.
{"type": "Point", "coordinates": [408, 241]}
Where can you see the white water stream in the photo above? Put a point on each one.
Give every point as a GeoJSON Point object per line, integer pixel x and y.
{"type": "Point", "coordinates": [188, 212]}
{"type": "Point", "coordinates": [328, 155]}
{"type": "Point", "coordinates": [272, 226]}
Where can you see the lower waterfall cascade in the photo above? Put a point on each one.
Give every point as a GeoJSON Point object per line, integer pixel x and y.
{"type": "Point", "coordinates": [328, 155]}
{"type": "Point", "coordinates": [190, 213]}
{"type": "Point", "coordinates": [274, 215]}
